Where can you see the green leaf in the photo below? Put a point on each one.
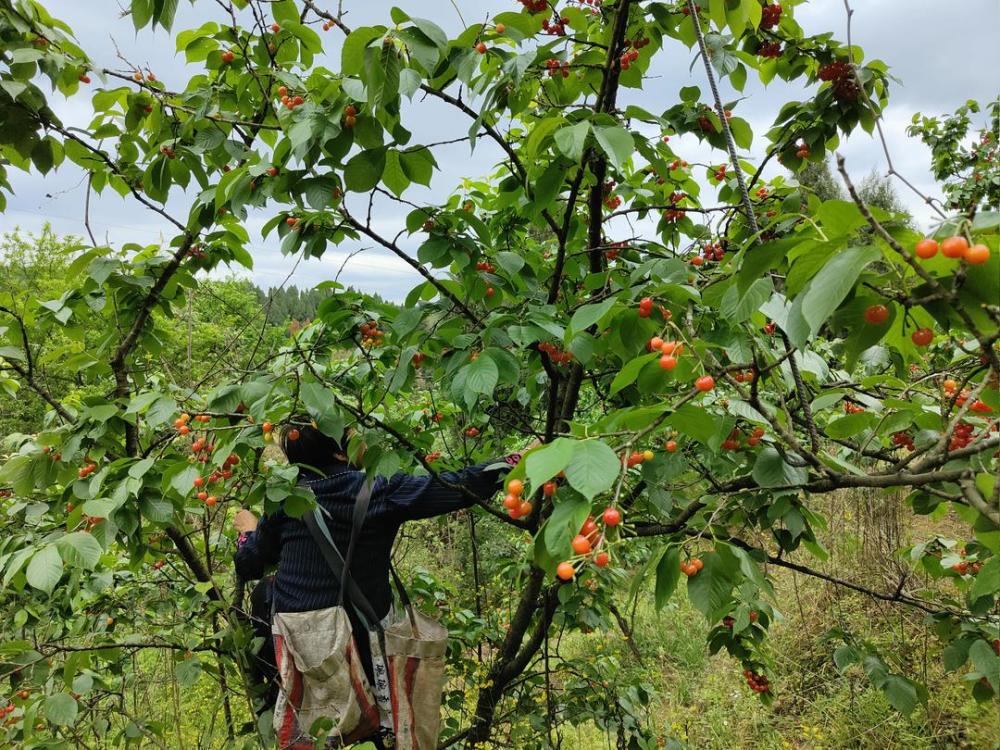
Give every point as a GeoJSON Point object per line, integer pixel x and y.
{"type": "Point", "coordinates": [826, 290]}
{"type": "Point", "coordinates": [710, 589]}
{"type": "Point", "coordinates": [985, 660]}
{"type": "Point", "coordinates": [352, 58]}
{"type": "Point", "coordinates": [587, 315]}
{"type": "Point", "coordinates": [481, 377]}
{"type": "Point", "coordinates": [393, 176]}
{"type": "Point", "coordinates": [61, 709]}
{"type": "Point", "coordinates": [45, 569]}
{"type": "Point", "coordinates": [901, 693]}
{"type": "Point", "coordinates": [770, 470]}
{"type": "Point", "coordinates": [695, 422]}
{"type": "Point", "coordinates": [571, 139]}
{"type": "Point", "coordinates": [668, 572]}
{"type": "Point", "coordinates": [627, 375]}
{"type": "Point", "coordinates": [364, 170]}
{"type": "Point", "coordinates": [81, 549]}
{"type": "Point", "coordinates": [987, 579]}
{"type": "Point", "coordinates": [432, 32]}
{"type": "Point", "coordinates": [418, 164]}
{"type": "Point", "coordinates": [593, 468]}
{"type": "Point", "coordinates": [616, 142]}
{"type": "Point", "coordinates": [319, 402]}
{"type": "Point", "coordinates": [564, 523]}
{"type": "Point", "coordinates": [544, 463]}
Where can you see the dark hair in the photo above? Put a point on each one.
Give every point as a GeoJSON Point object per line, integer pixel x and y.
{"type": "Point", "coordinates": [311, 447]}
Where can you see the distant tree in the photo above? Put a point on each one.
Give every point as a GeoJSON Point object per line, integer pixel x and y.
{"type": "Point", "coordinates": [876, 190]}
{"type": "Point", "coordinates": [817, 177]}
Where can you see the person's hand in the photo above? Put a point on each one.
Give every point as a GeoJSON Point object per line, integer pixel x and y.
{"type": "Point", "coordinates": [245, 521]}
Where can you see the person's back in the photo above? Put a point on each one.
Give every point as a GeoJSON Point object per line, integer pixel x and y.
{"type": "Point", "coordinates": [303, 581]}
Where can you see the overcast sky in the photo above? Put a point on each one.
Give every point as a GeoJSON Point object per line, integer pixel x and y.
{"type": "Point", "coordinates": [942, 54]}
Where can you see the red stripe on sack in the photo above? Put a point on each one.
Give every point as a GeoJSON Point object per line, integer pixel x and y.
{"type": "Point", "coordinates": [409, 680]}
{"type": "Point", "coordinates": [369, 713]}
{"type": "Point", "coordinates": [390, 667]}
{"type": "Point", "coordinates": [286, 725]}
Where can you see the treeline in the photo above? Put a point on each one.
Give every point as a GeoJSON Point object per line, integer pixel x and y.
{"type": "Point", "coordinates": [289, 303]}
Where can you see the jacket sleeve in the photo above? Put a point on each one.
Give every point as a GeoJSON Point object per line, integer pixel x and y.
{"type": "Point", "coordinates": [424, 497]}
{"type": "Point", "coordinates": [258, 551]}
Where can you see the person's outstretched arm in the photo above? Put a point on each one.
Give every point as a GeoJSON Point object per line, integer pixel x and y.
{"type": "Point", "coordinates": [258, 545]}
{"type": "Point", "coordinates": [424, 497]}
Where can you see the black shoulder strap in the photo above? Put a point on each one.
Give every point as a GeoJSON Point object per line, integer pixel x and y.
{"type": "Point", "coordinates": [361, 503]}
{"type": "Point", "coordinates": [340, 566]}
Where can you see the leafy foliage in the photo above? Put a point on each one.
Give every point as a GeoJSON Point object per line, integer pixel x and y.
{"type": "Point", "coordinates": [700, 366]}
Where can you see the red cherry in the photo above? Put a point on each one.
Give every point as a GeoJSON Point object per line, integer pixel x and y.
{"type": "Point", "coordinates": [275, 28]}
{"type": "Point", "coordinates": [954, 247]}
{"type": "Point", "coordinates": [876, 315]}
{"type": "Point", "coordinates": [565, 571]}
{"type": "Point", "coordinates": [922, 336]}
{"type": "Point", "coordinates": [705, 383]}
{"type": "Point", "coordinates": [612, 517]}
{"type": "Point", "coordinates": [926, 248]}
{"type": "Point", "coordinates": [581, 545]}
{"type": "Point", "coordinates": [602, 559]}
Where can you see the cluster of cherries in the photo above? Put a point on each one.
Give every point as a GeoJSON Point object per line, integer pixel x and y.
{"type": "Point", "coordinates": [631, 53]}
{"type": "Point", "coordinates": [720, 173]}
{"type": "Point", "coordinates": [370, 334]}
{"type": "Point", "coordinates": [54, 455]}
{"type": "Point", "coordinates": [350, 116]}
{"type": "Point", "coordinates": [953, 247]}
{"type": "Point", "coordinates": [556, 354]}
{"type": "Point", "coordinates": [516, 505]}
{"type": "Point", "coordinates": [672, 215]}
{"type": "Point", "coordinates": [485, 265]}
{"type": "Point", "coordinates": [669, 351]}
{"type": "Point", "coordinates": [291, 102]}
{"type": "Point", "coordinates": [197, 252]}
{"type": "Point", "coordinates": [964, 568]}
{"type": "Point", "coordinates": [638, 457]}
{"type": "Point", "coordinates": [200, 483]}
{"type": "Point", "coordinates": [850, 408]}
{"type": "Point", "coordinates": [692, 566]}
{"type": "Point", "coordinates": [732, 442]}
{"type": "Point", "coordinates": [557, 68]}
{"type": "Point", "coordinates": [555, 28]}
{"type": "Point", "coordinates": [86, 470]}
{"type": "Point", "coordinates": [903, 440]}
{"type": "Point", "coordinates": [770, 16]}
{"type": "Point", "coordinates": [744, 376]}
{"type": "Point", "coordinates": [614, 249]}
{"type": "Point", "coordinates": [769, 49]}
{"type": "Point", "coordinates": [961, 437]}
{"type": "Point", "coordinates": [610, 201]}
{"type": "Point", "coordinates": [978, 406]}
{"type": "Point", "coordinates": [329, 24]}
{"type": "Point", "coordinates": [587, 540]}
{"type": "Point", "coordinates": [674, 166]}
{"type": "Point", "coordinates": [757, 682]}
{"type": "Point", "coordinates": [802, 151]}
{"type": "Point", "coordinates": [711, 251]}
{"type": "Point", "coordinates": [168, 152]}
{"type": "Point", "coordinates": [535, 6]}
{"type": "Point", "coordinates": [432, 456]}
{"type": "Point", "coordinates": [181, 423]}
{"type": "Point", "coordinates": [841, 75]}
